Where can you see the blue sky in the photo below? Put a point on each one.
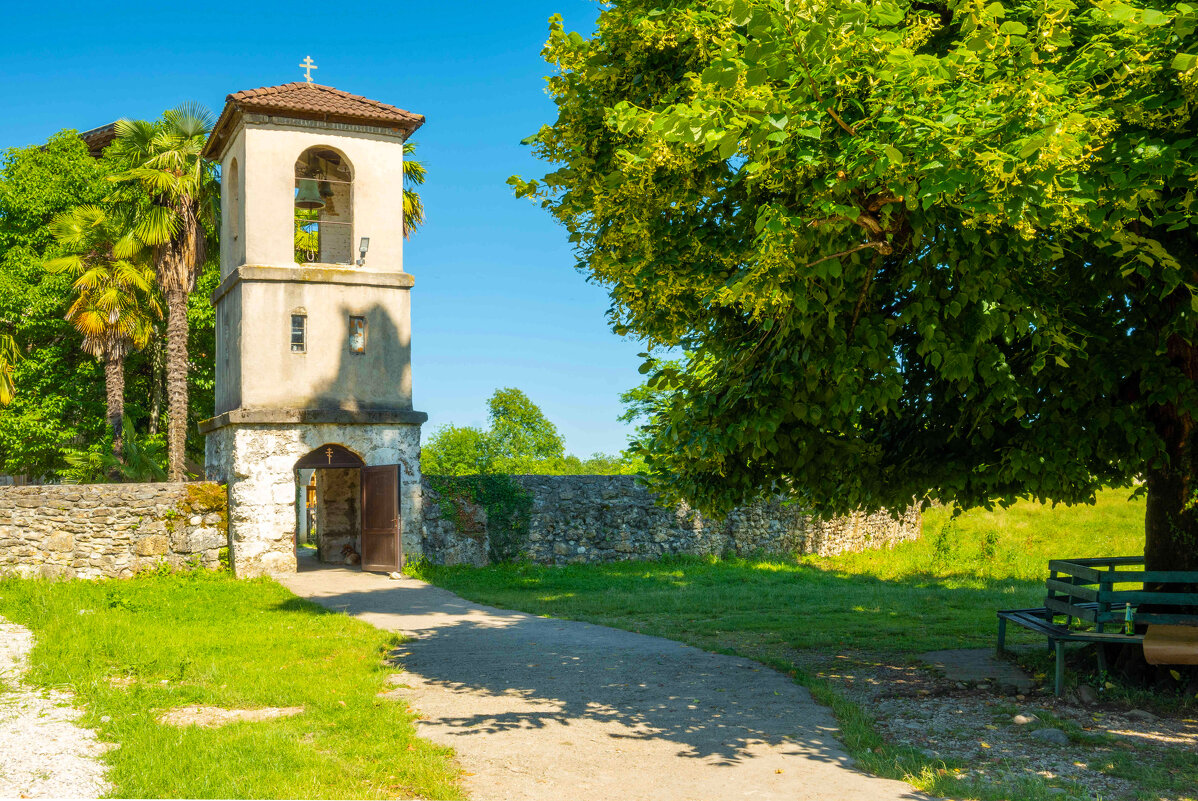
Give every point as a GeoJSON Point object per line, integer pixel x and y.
{"type": "Point", "coordinates": [497, 300]}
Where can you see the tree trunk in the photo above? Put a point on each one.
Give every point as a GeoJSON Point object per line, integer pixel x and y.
{"type": "Point", "coordinates": [1171, 516]}
{"type": "Point", "coordinates": [114, 384]}
{"type": "Point", "coordinates": [176, 381]}
{"type": "Point", "coordinates": [157, 380]}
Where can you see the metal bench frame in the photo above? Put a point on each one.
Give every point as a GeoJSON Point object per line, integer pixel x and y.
{"type": "Point", "coordinates": [1040, 620]}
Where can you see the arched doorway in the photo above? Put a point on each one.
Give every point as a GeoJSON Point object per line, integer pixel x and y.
{"type": "Point", "coordinates": [354, 516]}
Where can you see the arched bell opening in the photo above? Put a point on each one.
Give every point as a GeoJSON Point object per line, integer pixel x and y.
{"type": "Point", "coordinates": [329, 505]}
{"type": "Point", "coordinates": [324, 207]}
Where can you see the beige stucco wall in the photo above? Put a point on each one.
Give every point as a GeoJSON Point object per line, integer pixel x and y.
{"type": "Point", "coordinates": [262, 286]}
{"type": "Point", "coordinates": [266, 153]}
{"type": "Point", "coordinates": [232, 200]}
{"type": "Point", "coordinates": [256, 368]}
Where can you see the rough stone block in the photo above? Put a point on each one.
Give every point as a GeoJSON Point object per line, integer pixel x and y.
{"type": "Point", "coordinates": [154, 545]}
{"type": "Point", "coordinates": [60, 543]}
{"type": "Point", "coordinates": [57, 571]}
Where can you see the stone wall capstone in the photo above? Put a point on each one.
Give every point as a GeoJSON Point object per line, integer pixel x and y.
{"type": "Point", "coordinates": [110, 530]}
{"type": "Point", "coordinates": [583, 519]}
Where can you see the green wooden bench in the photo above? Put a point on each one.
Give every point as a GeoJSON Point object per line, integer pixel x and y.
{"type": "Point", "coordinates": [1085, 590]}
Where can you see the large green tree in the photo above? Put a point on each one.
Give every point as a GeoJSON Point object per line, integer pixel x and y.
{"type": "Point", "coordinates": [520, 433]}
{"type": "Point", "coordinates": [59, 398]}
{"type": "Point", "coordinates": [163, 159]}
{"type": "Point", "coordinates": [912, 249]}
{"type": "Point", "coordinates": [520, 439]}
{"type": "Point", "coordinates": [59, 403]}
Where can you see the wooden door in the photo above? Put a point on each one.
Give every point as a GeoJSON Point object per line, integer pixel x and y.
{"type": "Point", "coordinates": [380, 519]}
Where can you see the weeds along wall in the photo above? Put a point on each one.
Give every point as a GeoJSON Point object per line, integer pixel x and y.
{"type": "Point", "coordinates": [579, 519]}
{"type": "Point", "coordinates": [95, 530]}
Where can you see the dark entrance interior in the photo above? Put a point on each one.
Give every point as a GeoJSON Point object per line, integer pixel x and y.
{"type": "Point", "coordinates": [348, 510]}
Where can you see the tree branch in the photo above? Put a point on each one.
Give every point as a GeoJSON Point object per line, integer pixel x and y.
{"type": "Point", "coordinates": [881, 247]}
{"type": "Point", "coordinates": [869, 278]}
{"type": "Point", "coordinates": [841, 122]}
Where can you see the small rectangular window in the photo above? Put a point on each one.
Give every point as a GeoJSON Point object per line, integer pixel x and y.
{"type": "Point", "coordinates": [299, 324]}
{"type": "Point", "coordinates": [357, 334]}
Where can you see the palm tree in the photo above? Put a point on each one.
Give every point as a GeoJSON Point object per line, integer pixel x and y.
{"type": "Point", "coordinates": [413, 176]}
{"type": "Point", "coordinates": [164, 159]}
{"type": "Point", "coordinates": [114, 299]}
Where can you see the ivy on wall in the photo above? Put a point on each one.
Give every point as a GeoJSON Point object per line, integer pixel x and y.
{"type": "Point", "coordinates": [508, 506]}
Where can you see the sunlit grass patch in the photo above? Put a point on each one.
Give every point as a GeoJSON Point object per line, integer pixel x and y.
{"type": "Point", "coordinates": [132, 649]}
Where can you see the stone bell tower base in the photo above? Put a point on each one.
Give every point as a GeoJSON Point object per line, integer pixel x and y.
{"type": "Point", "coordinates": [255, 454]}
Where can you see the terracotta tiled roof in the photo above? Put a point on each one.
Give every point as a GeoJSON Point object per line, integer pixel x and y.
{"type": "Point", "coordinates": [313, 101]}
{"type": "Point", "coordinates": [99, 138]}
{"type": "Point", "coordinates": [312, 98]}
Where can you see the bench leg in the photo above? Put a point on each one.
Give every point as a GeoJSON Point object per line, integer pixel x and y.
{"type": "Point", "coordinates": [1102, 660]}
{"type": "Point", "coordinates": [1060, 670]}
{"type": "Point", "coordinates": [1002, 635]}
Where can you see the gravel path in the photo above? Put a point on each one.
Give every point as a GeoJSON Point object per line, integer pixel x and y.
{"type": "Point", "coordinates": [542, 709]}
{"type": "Point", "coordinates": [992, 731]}
{"type": "Point", "coordinates": [43, 754]}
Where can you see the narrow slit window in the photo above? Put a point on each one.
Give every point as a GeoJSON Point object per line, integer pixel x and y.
{"type": "Point", "coordinates": [357, 334]}
{"type": "Point", "coordinates": [299, 333]}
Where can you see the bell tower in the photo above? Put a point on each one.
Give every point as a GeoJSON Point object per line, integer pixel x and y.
{"type": "Point", "coordinates": [313, 330]}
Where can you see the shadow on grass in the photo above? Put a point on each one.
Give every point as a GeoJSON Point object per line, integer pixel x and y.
{"type": "Point", "coordinates": [297, 604]}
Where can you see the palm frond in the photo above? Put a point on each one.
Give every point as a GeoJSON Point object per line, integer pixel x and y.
{"type": "Point", "coordinates": [413, 212]}
{"type": "Point", "coordinates": [157, 226]}
{"type": "Point", "coordinates": [10, 354]}
{"type": "Point", "coordinates": [414, 171]}
{"type": "Point", "coordinates": [190, 120]}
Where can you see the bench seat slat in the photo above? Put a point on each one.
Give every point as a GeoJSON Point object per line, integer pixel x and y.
{"type": "Point", "coordinates": [1086, 611]}
{"type": "Point", "coordinates": [1032, 619]}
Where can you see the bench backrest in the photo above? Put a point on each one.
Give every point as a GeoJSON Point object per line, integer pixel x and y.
{"type": "Point", "coordinates": [1086, 589]}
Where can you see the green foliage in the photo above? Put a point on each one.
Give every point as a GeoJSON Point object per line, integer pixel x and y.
{"type": "Point", "coordinates": [114, 302]}
{"type": "Point", "coordinates": [520, 440]}
{"type": "Point", "coordinates": [60, 390]}
{"type": "Point", "coordinates": [59, 406]}
{"type": "Point", "coordinates": [10, 354]}
{"type": "Point", "coordinates": [520, 434]}
{"type": "Point", "coordinates": [457, 451]}
{"type": "Point", "coordinates": [646, 399]}
{"type": "Point", "coordinates": [130, 649]}
{"type": "Point", "coordinates": [163, 160]}
{"type": "Point", "coordinates": [142, 459]}
{"type": "Point", "coordinates": [507, 504]}
{"type": "Point", "coordinates": [414, 173]}
{"type": "Point", "coordinates": [910, 249]}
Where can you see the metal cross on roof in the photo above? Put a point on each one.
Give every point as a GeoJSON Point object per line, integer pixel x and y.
{"type": "Point", "coordinates": [307, 65]}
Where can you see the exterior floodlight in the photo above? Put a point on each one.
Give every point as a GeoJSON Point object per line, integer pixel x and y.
{"type": "Point", "coordinates": [363, 246]}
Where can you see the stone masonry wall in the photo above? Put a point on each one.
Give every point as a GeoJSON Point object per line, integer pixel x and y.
{"type": "Point", "coordinates": [607, 518]}
{"type": "Point", "coordinates": [114, 530]}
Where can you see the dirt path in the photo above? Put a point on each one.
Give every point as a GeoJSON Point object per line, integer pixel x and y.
{"type": "Point", "coordinates": [43, 754]}
{"type": "Point", "coordinates": [538, 708]}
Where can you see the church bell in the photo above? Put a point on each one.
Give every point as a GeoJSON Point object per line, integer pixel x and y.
{"type": "Point", "coordinates": [308, 196]}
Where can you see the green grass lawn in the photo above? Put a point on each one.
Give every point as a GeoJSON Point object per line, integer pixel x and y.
{"type": "Point", "coordinates": [203, 638]}
{"type": "Point", "coordinates": [939, 592]}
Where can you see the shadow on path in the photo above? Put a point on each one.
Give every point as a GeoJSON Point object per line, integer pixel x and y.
{"type": "Point", "coordinates": [545, 708]}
